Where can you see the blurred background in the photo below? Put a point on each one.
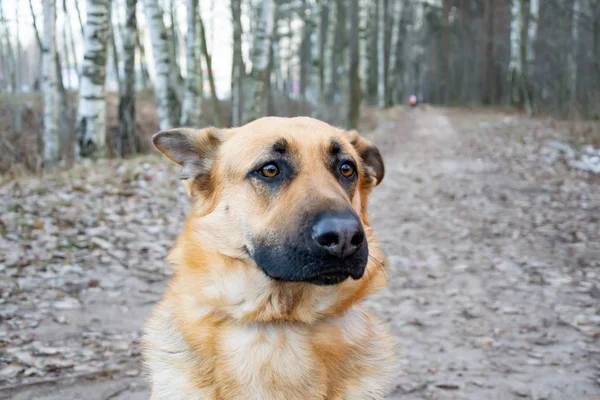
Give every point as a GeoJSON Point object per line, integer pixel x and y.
{"type": "Point", "coordinates": [488, 116]}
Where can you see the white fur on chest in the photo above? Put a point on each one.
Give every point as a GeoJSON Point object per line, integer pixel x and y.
{"type": "Point", "coordinates": [269, 358]}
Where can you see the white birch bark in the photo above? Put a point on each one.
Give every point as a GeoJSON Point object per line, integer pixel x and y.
{"type": "Point", "coordinates": [49, 87]}
{"type": "Point", "coordinates": [572, 58]}
{"type": "Point", "coordinates": [160, 53]}
{"type": "Point", "coordinates": [255, 105]}
{"type": "Point", "coordinates": [191, 105]}
{"type": "Point", "coordinates": [91, 121]}
{"type": "Point", "coordinates": [534, 11]}
{"type": "Point", "coordinates": [381, 84]}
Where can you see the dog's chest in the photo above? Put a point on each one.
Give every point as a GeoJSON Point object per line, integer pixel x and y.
{"type": "Point", "coordinates": [269, 360]}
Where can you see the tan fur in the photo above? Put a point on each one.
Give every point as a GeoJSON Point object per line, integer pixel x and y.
{"type": "Point", "coordinates": [224, 330]}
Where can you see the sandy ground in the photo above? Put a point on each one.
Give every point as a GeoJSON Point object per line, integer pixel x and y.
{"type": "Point", "coordinates": [494, 266]}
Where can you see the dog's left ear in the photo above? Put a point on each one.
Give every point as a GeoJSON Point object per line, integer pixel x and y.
{"type": "Point", "coordinates": [194, 149]}
{"type": "Point", "coordinates": [370, 155]}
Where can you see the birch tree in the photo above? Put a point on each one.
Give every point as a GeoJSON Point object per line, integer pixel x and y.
{"type": "Point", "coordinates": [211, 78]}
{"type": "Point", "coordinates": [353, 74]}
{"type": "Point", "coordinates": [336, 64]}
{"type": "Point", "coordinates": [91, 120]}
{"type": "Point", "coordinates": [160, 52]}
{"type": "Point", "coordinates": [572, 57]}
{"type": "Point", "coordinates": [395, 48]}
{"type": "Point", "coordinates": [49, 87]}
{"type": "Point", "coordinates": [381, 83]}
{"type": "Point", "coordinates": [314, 77]}
{"type": "Point", "coordinates": [238, 70]}
{"type": "Point", "coordinates": [256, 103]}
{"type": "Point", "coordinates": [191, 107]}
{"type": "Point", "coordinates": [323, 40]}
{"type": "Point", "coordinates": [518, 61]}
{"type": "Point", "coordinates": [534, 10]}
{"type": "Point", "coordinates": [127, 94]}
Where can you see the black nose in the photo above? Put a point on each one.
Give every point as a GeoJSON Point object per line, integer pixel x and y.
{"type": "Point", "coordinates": [340, 233]}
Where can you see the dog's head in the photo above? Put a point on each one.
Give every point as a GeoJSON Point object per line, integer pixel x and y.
{"type": "Point", "coordinates": [282, 196]}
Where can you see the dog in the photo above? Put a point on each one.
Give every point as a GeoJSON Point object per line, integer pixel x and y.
{"type": "Point", "coordinates": [275, 257]}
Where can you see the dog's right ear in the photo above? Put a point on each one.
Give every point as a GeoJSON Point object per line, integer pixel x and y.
{"type": "Point", "coordinates": [194, 149]}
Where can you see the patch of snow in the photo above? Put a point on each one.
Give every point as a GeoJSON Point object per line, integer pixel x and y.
{"type": "Point", "coordinates": [585, 159]}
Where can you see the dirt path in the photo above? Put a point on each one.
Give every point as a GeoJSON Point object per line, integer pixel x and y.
{"type": "Point", "coordinates": [494, 267]}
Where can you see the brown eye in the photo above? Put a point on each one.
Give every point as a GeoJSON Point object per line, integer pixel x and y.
{"type": "Point", "coordinates": [347, 170]}
{"type": "Point", "coordinates": [269, 171]}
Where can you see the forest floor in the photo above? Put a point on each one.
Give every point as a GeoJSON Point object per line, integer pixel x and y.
{"type": "Point", "coordinates": [494, 270]}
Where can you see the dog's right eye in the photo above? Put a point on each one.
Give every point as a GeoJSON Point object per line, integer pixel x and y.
{"type": "Point", "coordinates": [269, 170]}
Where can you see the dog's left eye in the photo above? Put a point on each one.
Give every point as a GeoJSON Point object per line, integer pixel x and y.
{"type": "Point", "coordinates": [269, 170]}
{"type": "Point", "coordinates": [347, 169]}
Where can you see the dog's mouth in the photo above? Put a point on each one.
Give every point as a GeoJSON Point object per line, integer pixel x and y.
{"type": "Point", "coordinates": [334, 277]}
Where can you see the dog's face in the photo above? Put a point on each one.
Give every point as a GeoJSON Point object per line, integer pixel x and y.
{"type": "Point", "coordinates": [286, 194]}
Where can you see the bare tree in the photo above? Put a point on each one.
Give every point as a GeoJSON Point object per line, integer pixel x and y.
{"type": "Point", "coordinates": [238, 70]}
{"type": "Point", "coordinates": [353, 76]}
{"type": "Point", "coordinates": [71, 40]}
{"type": "Point", "coordinates": [113, 50]}
{"type": "Point", "coordinates": [127, 93]}
{"type": "Point", "coordinates": [192, 102]}
{"type": "Point", "coordinates": [572, 57]}
{"type": "Point", "coordinates": [381, 83]}
{"type": "Point", "coordinates": [211, 78]}
{"type": "Point", "coordinates": [336, 64]}
{"type": "Point", "coordinates": [256, 103]}
{"type": "Point", "coordinates": [49, 87]}
{"type": "Point", "coordinates": [394, 59]}
{"type": "Point", "coordinates": [91, 119]}
{"type": "Point", "coordinates": [162, 61]}
{"type": "Point", "coordinates": [323, 38]}
{"type": "Point", "coordinates": [79, 17]}
{"type": "Point", "coordinates": [518, 60]}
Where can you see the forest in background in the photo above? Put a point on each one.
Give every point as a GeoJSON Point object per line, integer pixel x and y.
{"type": "Point", "coordinates": [99, 77]}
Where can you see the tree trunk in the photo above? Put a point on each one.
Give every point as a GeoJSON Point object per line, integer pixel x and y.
{"type": "Point", "coordinates": [17, 114]}
{"type": "Point", "coordinates": [273, 59]}
{"type": "Point", "coordinates": [489, 83]}
{"type": "Point", "coordinates": [395, 48]}
{"type": "Point", "coordinates": [381, 83]}
{"type": "Point", "coordinates": [211, 79]}
{"type": "Point", "coordinates": [113, 49]}
{"type": "Point", "coordinates": [143, 64]}
{"type": "Point", "coordinates": [91, 121]}
{"type": "Point", "coordinates": [336, 65]}
{"type": "Point", "coordinates": [49, 87]}
{"type": "Point", "coordinates": [79, 18]}
{"type": "Point", "coordinates": [445, 52]}
{"type": "Point", "coordinates": [518, 61]}
{"type": "Point", "coordinates": [160, 52]}
{"type": "Point", "coordinates": [534, 10]}
{"type": "Point", "coordinates": [255, 105]}
{"type": "Point", "coordinates": [353, 74]}
{"type": "Point", "coordinates": [72, 43]}
{"type": "Point", "coordinates": [176, 85]}
{"type": "Point", "coordinates": [314, 63]}
{"type": "Point", "coordinates": [127, 98]}
{"type": "Point", "coordinates": [572, 57]}
{"type": "Point", "coordinates": [305, 50]}
{"type": "Point", "coordinates": [238, 70]}
{"type": "Point", "coordinates": [323, 40]}
{"type": "Point", "coordinates": [371, 54]}
{"type": "Point", "coordinates": [192, 103]}
{"type": "Point", "coordinates": [596, 48]}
